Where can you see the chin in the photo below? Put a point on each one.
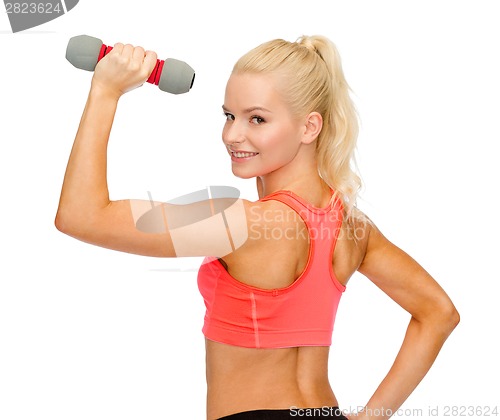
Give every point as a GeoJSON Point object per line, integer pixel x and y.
{"type": "Point", "coordinates": [242, 173]}
{"type": "Point", "coordinates": [238, 174]}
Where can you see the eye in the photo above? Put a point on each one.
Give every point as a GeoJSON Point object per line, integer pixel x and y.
{"type": "Point", "coordinates": [229, 117]}
{"type": "Point", "coordinates": [257, 120]}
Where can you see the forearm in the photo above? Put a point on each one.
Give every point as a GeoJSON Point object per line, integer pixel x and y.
{"type": "Point", "coordinates": [85, 190]}
{"type": "Point", "coordinates": [421, 345]}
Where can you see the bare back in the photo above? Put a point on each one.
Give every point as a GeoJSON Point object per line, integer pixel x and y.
{"type": "Point", "coordinates": [241, 379]}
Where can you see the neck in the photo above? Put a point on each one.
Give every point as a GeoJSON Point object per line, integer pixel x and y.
{"type": "Point", "coordinates": [300, 176]}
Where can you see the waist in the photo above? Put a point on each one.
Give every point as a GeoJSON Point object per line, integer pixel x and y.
{"type": "Point", "coordinates": [317, 412]}
{"type": "Point", "coordinates": [243, 379]}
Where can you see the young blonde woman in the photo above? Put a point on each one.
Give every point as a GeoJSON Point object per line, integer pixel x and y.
{"type": "Point", "coordinates": [277, 267]}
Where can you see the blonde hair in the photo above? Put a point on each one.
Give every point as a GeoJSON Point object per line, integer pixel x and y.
{"type": "Point", "coordinates": [312, 80]}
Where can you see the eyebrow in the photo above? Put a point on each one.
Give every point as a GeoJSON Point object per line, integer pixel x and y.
{"type": "Point", "coordinates": [249, 110]}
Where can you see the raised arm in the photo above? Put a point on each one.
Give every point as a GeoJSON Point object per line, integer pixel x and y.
{"type": "Point", "coordinates": [214, 227]}
{"type": "Point", "coordinates": [433, 318]}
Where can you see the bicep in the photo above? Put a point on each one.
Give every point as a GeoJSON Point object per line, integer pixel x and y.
{"type": "Point", "coordinates": [211, 227]}
{"type": "Point", "coordinates": [114, 227]}
{"type": "Point", "coordinates": [401, 277]}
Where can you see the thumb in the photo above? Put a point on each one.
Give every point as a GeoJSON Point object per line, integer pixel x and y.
{"type": "Point", "coordinates": [150, 59]}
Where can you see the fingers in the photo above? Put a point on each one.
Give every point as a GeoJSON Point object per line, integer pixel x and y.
{"type": "Point", "coordinates": [118, 48]}
{"type": "Point", "coordinates": [138, 59]}
{"type": "Point", "coordinates": [150, 60]}
{"type": "Point", "coordinates": [137, 53]}
{"type": "Point", "coordinates": [125, 67]}
{"type": "Point", "coordinates": [129, 53]}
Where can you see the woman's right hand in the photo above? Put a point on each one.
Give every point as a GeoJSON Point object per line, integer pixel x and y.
{"type": "Point", "coordinates": [124, 68]}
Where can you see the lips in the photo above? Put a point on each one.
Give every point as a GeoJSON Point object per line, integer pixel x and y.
{"type": "Point", "coordinates": [242, 154]}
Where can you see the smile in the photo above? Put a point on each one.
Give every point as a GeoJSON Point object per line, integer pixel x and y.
{"type": "Point", "coordinates": [243, 154]}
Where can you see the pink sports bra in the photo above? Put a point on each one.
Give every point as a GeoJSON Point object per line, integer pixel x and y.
{"type": "Point", "coordinates": [302, 314]}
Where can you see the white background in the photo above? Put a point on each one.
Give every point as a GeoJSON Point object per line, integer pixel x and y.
{"type": "Point", "coordinates": [89, 333]}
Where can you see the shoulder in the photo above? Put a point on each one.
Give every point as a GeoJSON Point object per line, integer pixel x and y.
{"type": "Point", "coordinates": [358, 227]}
{"type": "Point", "coordinates": [352, 244]}
{"type": "Point", "coordinates": [262, 217]}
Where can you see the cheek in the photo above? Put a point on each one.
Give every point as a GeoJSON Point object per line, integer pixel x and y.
{"type": "Point", "coordinates": [282, 143]}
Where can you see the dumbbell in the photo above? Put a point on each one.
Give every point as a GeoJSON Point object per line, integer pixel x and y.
{"type": "Point", "coordinates": [170, 75]}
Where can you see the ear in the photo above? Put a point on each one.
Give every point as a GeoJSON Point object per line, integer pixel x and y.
{"type": "Point", "coordinates": [312, 127]}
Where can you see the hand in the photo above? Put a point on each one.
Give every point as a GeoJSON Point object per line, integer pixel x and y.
{"type": "Point", "coordinates": [124, 68]}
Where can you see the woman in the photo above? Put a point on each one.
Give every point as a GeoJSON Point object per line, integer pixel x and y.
{"type": "Point", "coordinates": [275, 268]}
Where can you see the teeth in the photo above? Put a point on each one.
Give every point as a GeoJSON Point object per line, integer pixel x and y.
{"type": "Point", "coordinates": [243, 154]}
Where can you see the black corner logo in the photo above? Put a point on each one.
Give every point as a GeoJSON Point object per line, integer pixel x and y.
{"type": "Point", "coordinates": [28, 14]}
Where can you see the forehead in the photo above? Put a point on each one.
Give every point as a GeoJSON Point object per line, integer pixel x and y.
{"type": "Point", "coordinates": [244, 90]}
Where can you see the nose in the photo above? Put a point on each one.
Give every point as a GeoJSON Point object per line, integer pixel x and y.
{"type": "Point", "coordinates": [233, 134]}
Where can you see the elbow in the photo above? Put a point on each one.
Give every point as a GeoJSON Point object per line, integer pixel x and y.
{"type": "Point", "coordinates": [451, 318]}
{"type": "Point", "coordinates": [456, 319]}
{"type": "Point", "coordinates": [445, 317]}
{"type": "Point", "coordinates": [65, 226]}
{"type": "Point", "coordinates": [67, 223]}
{"type": "Point", "coordinates": [438, 315]}
{"type": "Point", "coordinates": [60, 222]}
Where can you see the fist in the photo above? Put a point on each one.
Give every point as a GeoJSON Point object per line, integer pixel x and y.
{"type": "Point", "coordinates": [124, 68]}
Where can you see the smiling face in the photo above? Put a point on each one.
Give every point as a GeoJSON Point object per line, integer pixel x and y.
{"type": "Point", "coordinates": [260, 133]}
